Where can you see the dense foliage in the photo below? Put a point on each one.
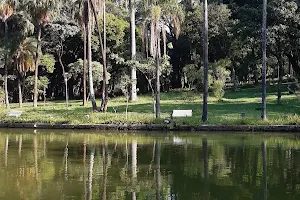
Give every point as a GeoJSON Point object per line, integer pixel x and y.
{"type": "Point", "coordinates": [234, 33]}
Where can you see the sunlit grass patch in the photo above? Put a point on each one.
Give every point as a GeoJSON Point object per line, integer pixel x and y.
{"type": "Point", "coordinates": [225, 112]}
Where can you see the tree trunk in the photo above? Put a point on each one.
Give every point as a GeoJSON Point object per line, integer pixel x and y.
{"type": "Point", "coordinates": [291, 71]}
{"type": "Point", "coordinates": [36, 63]}
{"type": "Point", "coordinates": [84, 65]}
{"type": "Point", "coordinates": [5, 65]}
{"type": "Point", "coordinates": [280, 77]}
{"type": "Point", "coordinates": [234, 80]}
{"type": "Point", "coordinates": [65, 79]}
{"type": "Point", "coordinates": [205, 61]}
{"type": "Point", "coordinates": [157, 105]}
{"type": "Point", "coordinates": [90, 70]}
{"type": "Point", "coordinates": [164, 36]}
{"type": "Point", "coordinates": [20, 93]}
{"type": "Point", "coordinates": [104, 86]}
{"type": "Point", "coordinates": [264, 58]}
{"type": "Point", "coordinates": [133, 93]}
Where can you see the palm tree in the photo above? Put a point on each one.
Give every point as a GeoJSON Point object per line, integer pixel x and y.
{"type": "Point", "coordinates": [205, 61]}
{"type": "Point", "coordinates": [87, 21]}
{"type": "Point", "coordinates": [81, 20]}
{"type": "Point", "coordinates": [264, 58]}
{"type": "Point", "coordinates": [6, 11]}
{"type": "Point", "coordinates": [102, 44]}
{"type": "Point", "coordinates": [25, 61]}
{"type": "Point", "coordinates": [41, 13]}
{"type": "Point", "coordinates": [155, 40]}
{"type": "Point", "coordinates": [104, 101]}
{"type": "Point", "coordinates": [133, 93]}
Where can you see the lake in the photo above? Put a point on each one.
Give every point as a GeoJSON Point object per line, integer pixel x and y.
{"type": "Point", "coordinates": [139, 165]}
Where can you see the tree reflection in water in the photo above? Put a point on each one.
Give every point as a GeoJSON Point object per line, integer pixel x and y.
{"type": "Point", "coordinates": [128, 167]}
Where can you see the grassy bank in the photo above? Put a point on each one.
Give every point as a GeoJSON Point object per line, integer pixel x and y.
{"type": "Point", "coordinates": [226, 111]}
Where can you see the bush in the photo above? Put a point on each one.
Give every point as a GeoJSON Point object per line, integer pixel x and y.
{"type": "Point", "coordinates": [218, 89]}
{"type": "Point", "coordinates": [2, 96]}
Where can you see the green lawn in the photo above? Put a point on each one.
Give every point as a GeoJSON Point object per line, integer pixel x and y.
{"type": "Point", "coordinates": [225, 112]}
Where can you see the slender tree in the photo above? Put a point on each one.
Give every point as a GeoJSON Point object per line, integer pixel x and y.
{"type": "Point", "coordinates": [105, 74]}
{"type": "Point", "coordinates": [6, 11]}
{"type": "Point", "coordinates": [81, 21]}
{"type": "Point", "coordinates": [89, 50]}
{"type": "Point", "coordinates": [102, 44]}
{"type": "Point", "coordinates": [41, 13]}
{"type": "Point", "coordinates": [264, 58]}
{"type": "Point", "coordinates": [24, 58]}
{"type": "Point", "coordinates": [133, 92]}
{"type": "Point", "coordinates": [155, 40]}
{"type": "Point", "coordinates": [205, 61]}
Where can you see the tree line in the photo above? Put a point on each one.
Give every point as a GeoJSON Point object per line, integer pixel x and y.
{"type": "Point", "coordinates": [62, 48]}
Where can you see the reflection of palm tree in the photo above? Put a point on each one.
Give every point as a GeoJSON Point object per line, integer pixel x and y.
{"type": "Point", "coordinates": [105, 168]}
{"type": "Point", "coordinates": [66, 160]}
{"type": "Point", "coordinates": [205, 163]}
{"type": "Point", "coordinates": [20, 145]}
{"type": "Point", "coordinates": [90, 180]}
{"type": "Point", "coordinates": [84, 163]}
{"type": "Point", "coordinates": [134, 166]}
{"type": "Point", "coordinates": [6, 150]}
{"type": "Point", "coordinates": [35, 145]}
{"type": "Point", "coordinates": [158, 178]}
{"type": "Point", "coordinates": [264, 157]}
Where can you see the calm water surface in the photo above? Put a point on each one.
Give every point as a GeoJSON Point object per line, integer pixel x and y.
{"type": "Point", "coordinates": [52, 165]}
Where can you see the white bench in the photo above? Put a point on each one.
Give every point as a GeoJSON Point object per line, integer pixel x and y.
{"type": "Point", "coordinates": [182, 113]}
{"type": "Point", "coordinates": [14, 113]}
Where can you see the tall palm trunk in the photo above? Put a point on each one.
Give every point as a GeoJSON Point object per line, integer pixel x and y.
{"type": "Point", "coordinates": [264, 58]}
{"type": "Point", "coordinates": [164, 36]}
{"type": "Point", "coordinates": [104, 85]}
{"type": "Point", "coordinates": [280, 76]}
{"type": "Point", "coordinates": [6, 63]}
{"type": "Point", "coordinates": [89, 48]}
{"type": "Point", "coordinates": [102, 44]}
{"type": "Point", "coordinates": [84, 65]}
{"type": "Point", "coordinates": [157, 104]}
{"type": "Point", "coordinates": [205, 61]}
{"type": "Point", "coordinates": [20, 92]}
{"type": "Point", "coordinates": [36, 74]}
{"type": "Point", "coordinates": [133, 93]}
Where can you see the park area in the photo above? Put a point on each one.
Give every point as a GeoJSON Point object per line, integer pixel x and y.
{"type": "Point", "coordinates": [227, 111]}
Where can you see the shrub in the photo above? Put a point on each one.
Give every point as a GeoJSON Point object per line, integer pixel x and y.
{"type": "Point", "coordinates": [218, 89]}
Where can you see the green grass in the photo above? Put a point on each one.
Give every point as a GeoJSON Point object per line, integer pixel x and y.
{"type": "Point", "coordinates": [226, 111]}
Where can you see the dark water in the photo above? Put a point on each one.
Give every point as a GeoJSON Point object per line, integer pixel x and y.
{"type": "Point", "coordinates": [54, 166]}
